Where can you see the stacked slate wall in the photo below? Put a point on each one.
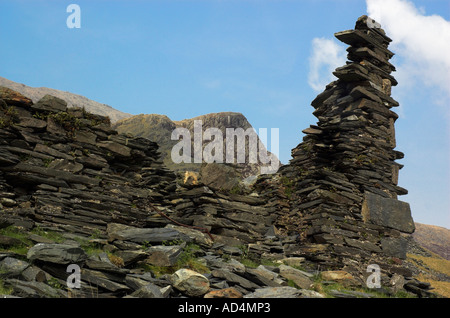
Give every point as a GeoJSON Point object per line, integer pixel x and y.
{"type": "Point", "coordinates": [344, 175]}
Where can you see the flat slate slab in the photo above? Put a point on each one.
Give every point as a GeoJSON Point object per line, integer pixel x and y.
{"type": "Point", "coordinates": [387, 212]}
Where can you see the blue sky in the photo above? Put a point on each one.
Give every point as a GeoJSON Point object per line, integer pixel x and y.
{"type": "Point", "coordinates": [265, 59]}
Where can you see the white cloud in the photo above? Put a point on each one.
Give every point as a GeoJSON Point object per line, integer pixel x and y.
{"type": "Point", "coordinates": [325, 57]}
{"type": "Point", "coordinates": [422, 42]}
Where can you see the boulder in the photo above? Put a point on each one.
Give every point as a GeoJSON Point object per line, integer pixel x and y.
{"type": "Point", "coordinates": [190, 282]}
{"type": "Point", "coordinates": [164, 255]}
{"type": "Point", "coordinates": [51, 103]}
{"type": "Point", "coordinates": [57, 253]}
{"type": "Point", "coordinates": [12, 267]}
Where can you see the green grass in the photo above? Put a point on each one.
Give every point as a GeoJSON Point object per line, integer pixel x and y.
{"type": "Point", "coordinates": [327, 288]}
{"type": "Point", "coordinates": [5, 290]}
{"type": "Point", "coordinates": [14, 232]}
{"type": "Point", "coordinates": [437, 264]}
{"type": "Point", "coordinates": [51, 235]}
{"type": "Point", "coordinates": [25, 243]}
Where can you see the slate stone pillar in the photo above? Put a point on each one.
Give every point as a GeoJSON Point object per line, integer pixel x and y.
{"type": "Point", "coordinates": [345, 172]}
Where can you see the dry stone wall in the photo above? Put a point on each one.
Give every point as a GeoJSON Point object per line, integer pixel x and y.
{"type": "Point", "coordinates": [343, 176]}
{"type": "Point", "coordinates": [66, 169]}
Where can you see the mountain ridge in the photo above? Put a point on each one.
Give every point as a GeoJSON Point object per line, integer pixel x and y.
{"type": "Point", "coordinates": [73, 100]}
{"type": "Point", "coordinates": [159, 128]}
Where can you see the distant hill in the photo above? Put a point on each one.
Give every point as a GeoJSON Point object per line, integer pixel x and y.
{"type": "Point", "coordinates": [159, 128]}
{"type": "Point", "coordinates": [434, 238]}
{"type": "Point", "coordinates": [36, 93]}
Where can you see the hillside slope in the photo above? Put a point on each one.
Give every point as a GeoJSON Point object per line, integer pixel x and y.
{"type": "Point", "coordinates": [434, 238]}
{"type": "Point", "coordinates": [36, 93]}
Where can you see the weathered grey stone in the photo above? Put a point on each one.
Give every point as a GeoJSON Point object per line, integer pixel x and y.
{"type": "Point", "coordinates": [234, 279]}
{"type": "Point", "coordinates": [163, 255]}
{"type": "Point", "coordinates": [51, 103]}
{"type": "Point", "coordinates": [394, 246]}
{"type": "Point", "coordinates": [231, 265]}
{"type": "Point", "coordinates": [34, 273]}
{"type": "Point", "coordinates": [363, 245]}
{"type": "Point", "coordinates": [57, 253]}
{"type": "Point", "coordinates": [7, 158]}
{"type": "Point", "coordinates": [219, 176]}
{"type": "Point", "coordinates": [197, 237]}
{"type": "Point", "coordinates": [102, 263]}
{"type": "Point", "coordinates": [387, 212]}
{"type": "Point", "coordinates": [350, 294]}
{"type": "Point", "coordinates": [12, 267]}
{"type": "Point", "coordinates": [131, 256]}
{"type": "Point", "coordinates": [66, 165]}
{"type": "Point", "coordinates": [190, 282]}
{"type": "Point", "coordinates": [300, 278]}
{"type": "Point", "coordinates": [145, 235]}
{"type": "Point", "coordinates": [9, 241]}
{"type": "Point", "coordinates": [85, 137]}
{"type": "Point", "coordinates": [39, 239]}
{"type": "Point", "coordinates": [34, 289]}
{"type": "Point", "coordinates": [31, 122]}
{"type": "Point", "coordinates": [148, 291]}
{"type": "Point", "coordinates": [52, 152]}
{"type": "Point", "coordinates": [62, 175]}
{"type": "Point", "coordinates": [307, 293]}
{"type": "Point", "coordinates": [396, 282]}
{"type": "Point", "coordinates": [101, 279]}
{"type": "Point", "coordinates": [263, 277]}
{"type": "Point", "coordinates": [275, 292]}
{"type": "Point", "coordinates": [115, 148]}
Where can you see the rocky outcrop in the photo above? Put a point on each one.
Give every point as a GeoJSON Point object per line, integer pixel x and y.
{"type": "Point", "coordinates": [159, 128]}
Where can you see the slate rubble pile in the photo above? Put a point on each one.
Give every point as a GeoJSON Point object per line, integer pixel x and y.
{"type": "Point", "coordinates": [128, 262]}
